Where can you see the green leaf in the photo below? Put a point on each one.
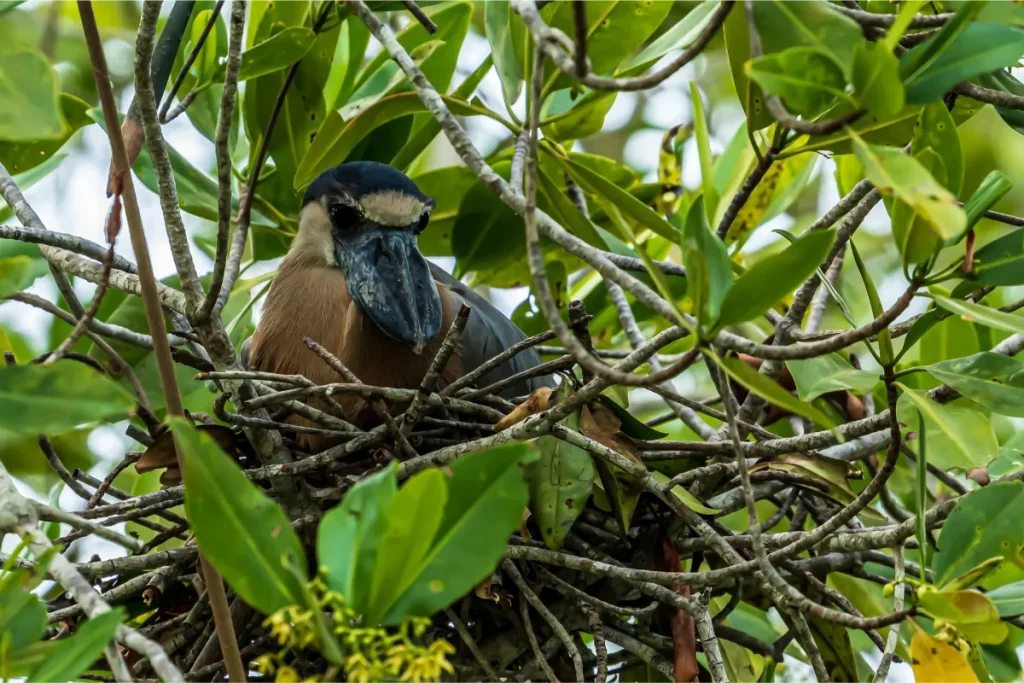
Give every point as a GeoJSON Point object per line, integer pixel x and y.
{"type": "Point", "coordinates": [566, 212]}
{"type": "Point", "coordinates": [958, 436]}
{"type": "Point", "coordinates": [596, 184]}
{"type": "Point", "coordinates": [815, 377]}
{"type": "Point", "coordinates": [583, 117]}
{"type": "Point", "coordinates": [20, 156]}
{"type": "Point", "coordinates": [206, 61]}
{"type": "Point", "coordinates": [413, 519]}
{"type": "Point", "coordinates": [615, 29]}
{"type": "Point", "coordinates": [688, 499]}
{"type": "Point", "coordinates": [73, 655]}
{"type": "Point", "coordinates": [812, 24]}
{"type": "Point", "coordinates": [631, 426]}
{"type": "Point", "coordinates": [737, 48]}
{"type": "Point", "coordinates": [349, 537]}
{"type": "Point", "coordinates": [979, 49]}
{"type": "Point", "coordinates": [780, 187]}
{"type": "Point", "coordinates": [1008, 599]}
{"type": "Point", "coordinates": [336, 139]}
{"type": "Point", "coordinates": [16, 273]}
{"type": "Point", "coordinates": [242, 532]}
{"type": "Point", "coordinates": [806, 79]}
{"type": "Point", "coordinates": [449, 187]}
{"type": "Point", "coordinates": [876, 80]}
{"type": "Point", "coordinates": [1001, 261]}
{"type": "Point", "coordinates": [703, 136]}
{"type": "Point", "coordinates": [28, 98]}
{"type": "Point", "coordinates": [833, 641]}
{"type": "Point", "coordinates": [893, 172]}
{"type": "Point", "coordinates": [560, 482]}
{"type": "Point", "coordinates": [984, 524]}
{"type": "Point", "coordinates": [680, 36]}
{"type": "Point", "coordinates": [486, 498]}
{"type": "Point", "coordinates": [708, 269]}
{"type": "Point", "coordinates": [753, 381]}
{"type": "Point", "coordinates": [353, 37]}
{"type": "Point", "coordinates": [983, 315]}
{"type": "Point", "coordinates": [52, 399]}
{"type": "Point", "coordinates": [993, 188]}
{"type": "Point", "coordinates": [937, 129]}
{"type": "Point", "coordinates": [497, 15]}
{"type": "Point", "coordinates": [487, 234]}
{"type": "Point", "coordinates": [992, 379]}
{"type": "Point", "coordinates": [22, 614]}
{"type": "Point", "coordinates": [453, 20]}
{"type": "Point", "coordinates": [969, 611]}
{"type": "Point", "coordinates": [769, 280]}
{"type": "Point", "coordinates": [278, 52]}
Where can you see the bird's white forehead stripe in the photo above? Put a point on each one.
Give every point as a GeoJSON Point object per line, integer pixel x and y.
{"type": "Point", "coordinates": [391, 208]}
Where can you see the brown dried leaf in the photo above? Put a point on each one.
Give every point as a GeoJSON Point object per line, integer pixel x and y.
{"type": "Point", "coordinates": [161, 454]}
{"type": "Point", "coordinates": [537, 402]}
{"type": "Point", "coordinates": [622, 490]}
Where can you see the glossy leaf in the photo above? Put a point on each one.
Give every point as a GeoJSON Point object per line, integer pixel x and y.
{"type": "Point", "coordinates": [737, 48]}
{"type": "Point", "coordinates": [688, 499]}
{"type": "Point", "coordinates": [28, 98]}
{"type": "Point", "coordinates": [631, 425]}
{"type": "Point", "coordinates": [16, 273]}
{"type": "Point", "coordinates": [983, 315]}
{"type": "Point", "coordinates": [766, 282]}
{"type": "Point", "coordinates": [833, 641]}
{"type": "Point", "coordinates": [984, 524]}
{"type": "Point", "coordinates": [812, 24]}
{"type": "Point", "coordinates": [486, 498]}
{"type": "Point", "coordinates": [979, 49]}
{"type": "Point", "coordinates": [970, 611]}
{"type": "Point", "coordinates": [349, 536]}
{"type": "Point", "coordinates": [497, 16]}
{"type": "Point", "coordinates": [1008, 599]}
{"type": "Point", "coordinates": [1001, 261]}
{"type": "Point", "coordinates": [242, 532]}
{"type": "Point", "coordinates": [753, 381]}
{"type": "Point", "coordinates": [278, 52]}
{"type": "Point", "coordinates": [806, 79]}
{"type": "Point", "coordinates": [680, 36]}
{"type": "Point", "coordinates": [583, 118]}
{"type": "Point", "coordinates": [560, 481]}
{"type": "Point", "coordinates": [959, 437]}
{"type": "Point", "coordinates": [336, 138]}
{"type": "Point", "coordinates": [708, 269]}
{"type": "Point", "coordinates": [894, 172]}
{"type": "Point", "coordinates": [991, 379]}
{"type": "Point", "coordinates": [631, 207]}
{"type": "Point", "coordinates": [876, 80]}
{"type": "Point", "coordinates": [20, 156]}
{"type": "Point", "coordinates": [487, 233]}
{"type": "Point", "coordinates": [815, 377]}
{"type": "Point", "coordinates": [22, 614]}
{"type": "Point", "coordinates": [413, 519]}
{"type": "Point", "coordinates": [703, 137]}
{"type": "Point", "coordinates": [73, 655]}
{"type": "Point", "coordinates": [52, 399]}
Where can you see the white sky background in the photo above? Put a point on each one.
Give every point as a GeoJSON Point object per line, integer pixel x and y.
{"type": "Point", "coordinates": [72, 199]}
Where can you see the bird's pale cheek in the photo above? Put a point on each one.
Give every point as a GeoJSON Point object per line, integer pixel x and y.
{"type": "Point", "coordinates": [391, 284]}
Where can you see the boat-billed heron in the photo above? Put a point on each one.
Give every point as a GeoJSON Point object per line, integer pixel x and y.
{"type": "Point", "coordinates": [355, 281]}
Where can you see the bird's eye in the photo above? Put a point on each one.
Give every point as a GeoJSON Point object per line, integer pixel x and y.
{"type": "Point", "coordinates": [422, 224]}
{"type": "Point", "coordinates": [344, 217]}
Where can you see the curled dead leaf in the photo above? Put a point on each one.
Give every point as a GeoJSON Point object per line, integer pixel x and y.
{"type": "Point", "coordinates": [161, 454]}
{"type": "Point", "coordinates": [537, 402]}
{"type": "Point", "coordinates": [599, 423]}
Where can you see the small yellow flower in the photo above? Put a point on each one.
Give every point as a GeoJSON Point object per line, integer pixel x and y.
{"type": "Point", "coordinates": [286, 674]}
{"type": "Point", "coordinates": [265, 664]}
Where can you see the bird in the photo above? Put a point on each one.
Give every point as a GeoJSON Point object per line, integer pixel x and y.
{"type": "Point", "coordinates": [355, 281]}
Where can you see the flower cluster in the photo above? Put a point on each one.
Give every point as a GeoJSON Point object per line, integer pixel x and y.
{"type": "Point", "coordinates": [370, 653]}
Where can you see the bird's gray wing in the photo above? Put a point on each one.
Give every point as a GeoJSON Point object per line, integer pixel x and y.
{"type": "Point", "coordinates": [488, 332]}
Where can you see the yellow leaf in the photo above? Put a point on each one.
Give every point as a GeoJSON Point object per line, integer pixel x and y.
{"type": "Point", "coordinates": [935, 661]}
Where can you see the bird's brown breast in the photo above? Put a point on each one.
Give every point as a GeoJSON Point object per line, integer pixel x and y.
{"type": "Point", "coordinates": [312, 300]}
